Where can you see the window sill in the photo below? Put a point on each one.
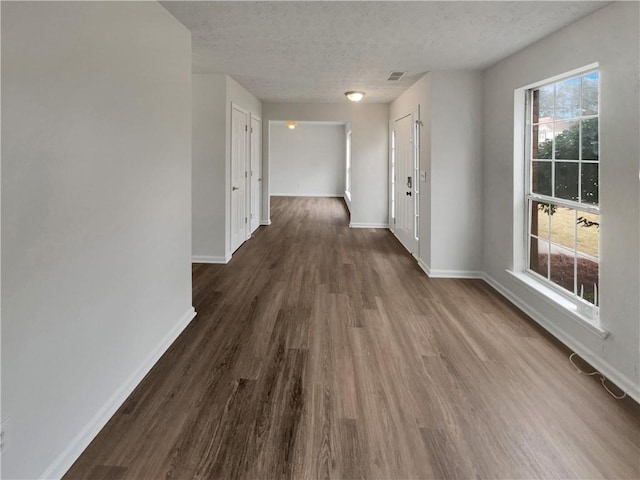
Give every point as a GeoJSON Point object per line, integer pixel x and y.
{"type": "Point", "coordinates": [557, 300]}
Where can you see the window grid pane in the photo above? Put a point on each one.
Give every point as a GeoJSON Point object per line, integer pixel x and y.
{"type": "Point", "coordinates": [563, 234]}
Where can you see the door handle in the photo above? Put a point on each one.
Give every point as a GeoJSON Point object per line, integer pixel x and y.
{"type": "Point", "coordinates": [408, 182]}
{"type": "Point", "coordinates": [234, 188]}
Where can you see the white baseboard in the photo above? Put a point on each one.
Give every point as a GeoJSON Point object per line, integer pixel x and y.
{"type": "Point", "coordinates": [622, 381]}
{"type": "Point", "coordinates": [425, 268]}
{"type": "Point", "coordinates": [265, 222]}
{"type": "Point", "coordinates": [64, 461]}
{"type": "Point", "coordinates": [210, 259]}
{"type": "Point", "coordinates": [313, 195]}
{"type": "Point", "coordinates": [368, 225]}
{"type": "Point", "coordinates": [455, 274]}
{"type": "Point", "coordinates": [431, 273]}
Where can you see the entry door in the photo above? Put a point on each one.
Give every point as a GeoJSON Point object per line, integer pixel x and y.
{"type": "Point", "coordinates": [256, 172]}
{"type": "Point", "coordinates": [239, 157]}
{"type": "Point", "coordinates": [406, 183]}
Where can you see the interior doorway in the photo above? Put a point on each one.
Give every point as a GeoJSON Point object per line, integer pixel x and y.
{"type": "Point", "coordinates": [307, 159]}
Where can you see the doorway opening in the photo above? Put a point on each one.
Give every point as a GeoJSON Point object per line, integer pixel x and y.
{"type": "Point", "coordinates": [308, 159]}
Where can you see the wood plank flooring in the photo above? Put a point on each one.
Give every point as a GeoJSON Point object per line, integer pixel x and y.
{"type": "Point", "coordinates": [321, 351]}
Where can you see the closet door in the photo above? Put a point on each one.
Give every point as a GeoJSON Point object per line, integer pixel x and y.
{"type": "Point", "coordinates": [239, 163]}
{"type": "Point", "coordinates": [255, 173]}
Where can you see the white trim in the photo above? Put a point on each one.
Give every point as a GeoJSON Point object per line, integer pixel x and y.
{"type": "Point", "coordinates": [563, 76]}
{"type": "Point", "coordinates": [413, 242]}
{"type": "Point", "coordinates": [258, 173]}
{"type": "Point", "coordinates": [559, 300]}
{"type": "Point", "coordinates": [455, 274]}
{"type": "Point", "coordinates": [265, 222]}
{"type": "Point", "coordinates": [247, 168]}
{"type": "Point", "coordinates": [390, 174]}
{"type": "Point", "coordinates": [425, 268]}
{"type": "Point", "coordinates": [581, 310]}
{"type": "Point", "coordinates": [368, 225]}
{"type": "Point", "coordinates": [432, 273]}
{"type": "Point", "coordinates": [312, 195]}
{"type": "Point", "coordinates": [210, 259]}
{"type": "Point", "coordinates": [573, 205]}
{"type": "Point", "coordinates": [619, 379]}
{"type": "Point", "coordinates": [70, 454]}
{"type": "Point", "coordinates": [310, 122]}
{"type": "Point", "coordinates": [413, 254]}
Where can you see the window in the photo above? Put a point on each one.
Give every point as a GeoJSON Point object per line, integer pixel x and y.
{"type": "Point", "coordinates": [563, 219]}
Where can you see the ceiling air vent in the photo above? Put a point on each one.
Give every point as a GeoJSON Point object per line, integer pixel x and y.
{"type": "Point", "coordinates": [395, 76]}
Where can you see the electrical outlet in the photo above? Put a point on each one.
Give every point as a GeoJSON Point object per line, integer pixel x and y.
{"type": "Point", "coordinates": [5, 435]}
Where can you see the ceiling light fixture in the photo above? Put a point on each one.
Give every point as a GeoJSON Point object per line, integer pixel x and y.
{"type": "Point", "coordinates": [291, 125]}
{"type": "Point", "coordinates": [354, 96]}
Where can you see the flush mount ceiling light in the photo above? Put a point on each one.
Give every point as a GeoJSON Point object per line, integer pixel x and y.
{"type": "Point", "coordinates": [291, 125]}
{"type": "Point", "coordinates": [354, 96]}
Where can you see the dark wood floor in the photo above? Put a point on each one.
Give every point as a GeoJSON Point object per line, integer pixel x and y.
{"type": "Point", "coordinates": [321, 351]}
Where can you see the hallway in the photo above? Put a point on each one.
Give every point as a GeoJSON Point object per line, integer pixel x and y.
{"type": "Point", "coordinates": [322, 351]}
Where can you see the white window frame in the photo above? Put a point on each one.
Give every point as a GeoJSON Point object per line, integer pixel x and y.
{"type": "Point", "coordinates": [556, 294]}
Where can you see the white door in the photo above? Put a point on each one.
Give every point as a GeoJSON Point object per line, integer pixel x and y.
{"type": "Point", "coordinates": [256, 173]}
{"type": "Point", "coordinates": [405, 166]}
{"type": "Point", "coordinates": [239, 157]}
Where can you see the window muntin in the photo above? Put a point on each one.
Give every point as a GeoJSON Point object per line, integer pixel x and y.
{"type": "Point", "coordinates": [563, 179]}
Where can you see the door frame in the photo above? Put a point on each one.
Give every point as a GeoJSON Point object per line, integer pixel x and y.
{"type": "Point", "coordinates": [416, 124]}
{"type": "Point", "coordinates": [258, 173]}
{"type": "Point", "coordinates": [237, 107]}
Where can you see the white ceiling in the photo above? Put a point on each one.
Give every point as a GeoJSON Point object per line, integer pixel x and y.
{"type": "Point", "coordinates": [315, 51]}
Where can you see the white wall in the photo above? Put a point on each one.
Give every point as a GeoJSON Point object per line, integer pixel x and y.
{"type": "Point", "coordinates": [616, 48]}
{"type": "Point", "coordinates": [96, 223]}
{"type": "Point", "coordinates": [308, 160]}
{"type": "Point", "coordinates": [450, 153]}
{"type": "Point", "coordinates": [213, 95]}
{"type": "Point", "coordinates": [369, 152]}
{"type": "Point", "coordinates": [456, 173]}
{"type": "Point", "coordinates": [209, 154]}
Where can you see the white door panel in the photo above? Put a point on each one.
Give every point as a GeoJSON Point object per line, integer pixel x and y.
{"type": "Point", "coordinates": [255, 173]}
{"type": "Point", "coordinates": [406, 183]}
{"type": "Point", "coordinates": [239, 157]}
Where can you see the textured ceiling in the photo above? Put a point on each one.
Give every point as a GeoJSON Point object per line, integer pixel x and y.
{"type": "Point", "coordinates": [315, 51]}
